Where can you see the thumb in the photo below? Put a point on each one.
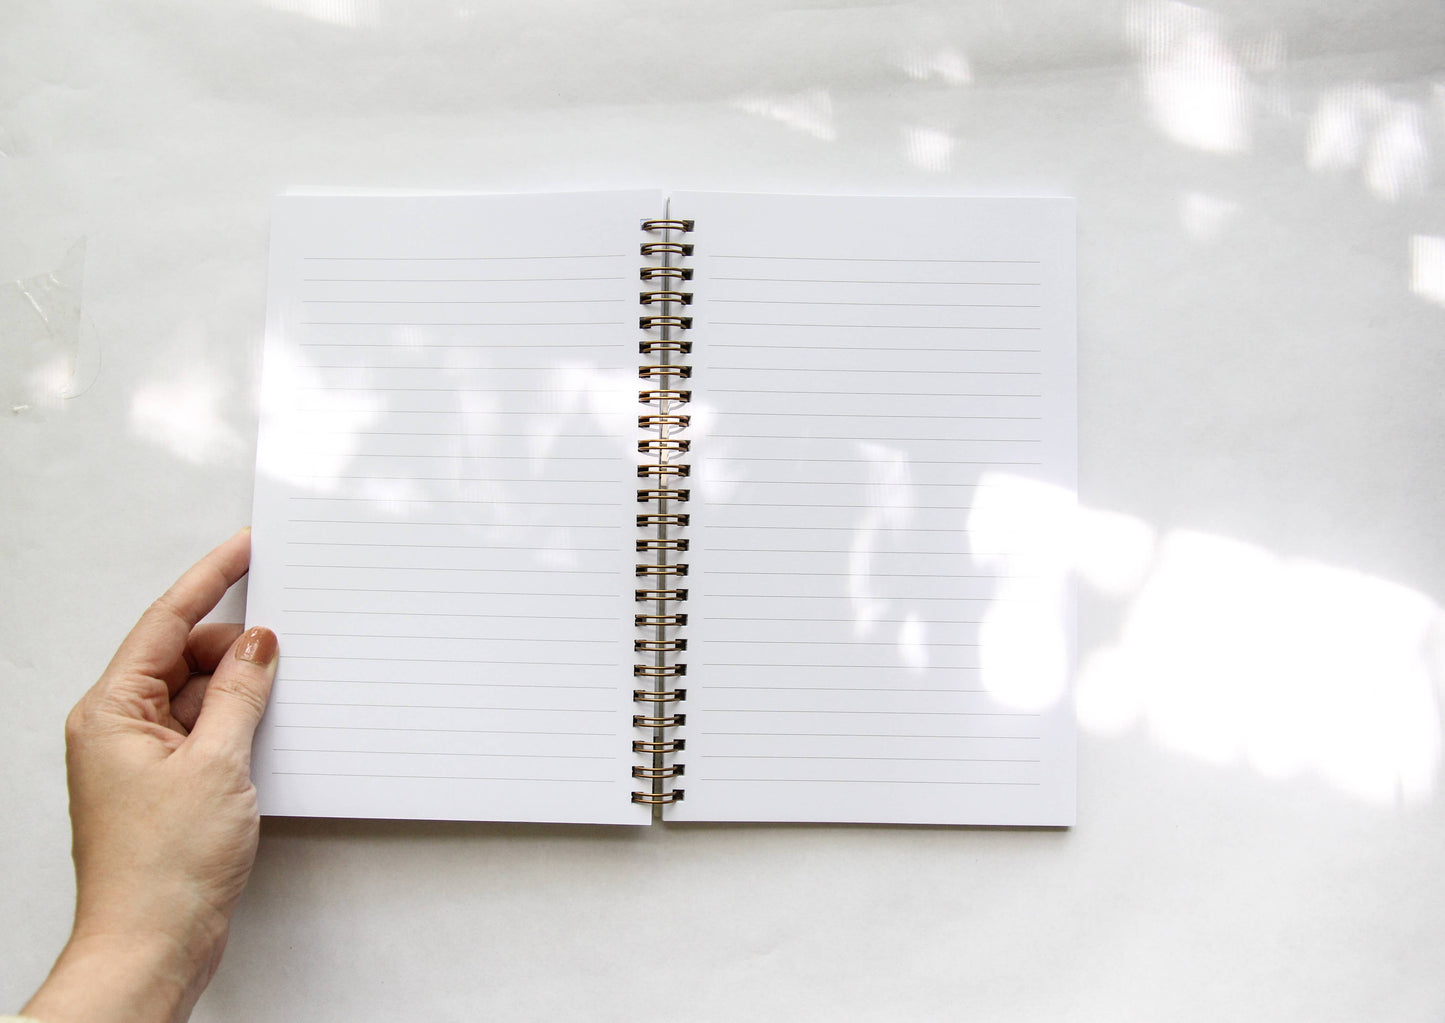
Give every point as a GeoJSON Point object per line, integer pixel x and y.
{"type": "Point", "coordinates": [237, 693]}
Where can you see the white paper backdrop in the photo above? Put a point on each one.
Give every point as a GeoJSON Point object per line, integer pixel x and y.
{"type": "Point", "coordinates": [1262, 297]}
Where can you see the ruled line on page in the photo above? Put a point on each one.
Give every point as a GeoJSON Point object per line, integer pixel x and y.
{"type": "Point", "coordinates": [921, 760]}
{"type": "Point", "coordinates": [816, 370]}
{"type": "Point", "coordinates": [448, 593]}
{"type": "Point", "coordinates": [968, 555]}
{"type": "Point", "coordinates": [836, 280]}
{"type": "Point", "coordinates": [457, 731]}
{"type": "Point", "coordinates": [331, 410]}
{"type": "Point", "coordinates": [879, 528]}
{"type": "Point", "coordinates": [838, 644]}
{"type": "Point", "coordinates": [844, 596]}
{"type": "Point", "coordinates": [889, 691]}
{"type": "Point", "coordinates": [437, 568]}
{"type": "Point", "coordinates": [875, 713]}
{"type": "Point", "coordinates": [373, 389]}
{"type": "Point", "coordinates": [880, 327]}
{"type": "Point", "coordinates": [837, 505]}
{"type": "Point", "coordinates": [459, 323]}
{"type": "Point", "coordinates": [871, 259]}
{"type": "Point", "coordinates": [871, 347]}
{"type": "Point", "coordinates": [868, 326]}
{"type": "Point", "coordinates": [403, 523]}
{"type": "Point", "coordinates": [412, 347]}
{"type": "Point", "coordinates": [439, 500]}
{"type": "Point", "coordinates": [878, 394]}
{"type": "Point", "coordinates": [452, 479]}
{"type": "Point", "coordinates": [455, 259]}
{"type": "Point", "coordinates": [438, 706]}
{"type": "Point", "coordinates": [454, 280]}
{"type": "Point", "coordinates": [549, 459]}
{"type": "Point", "coordinates": [461, 434]}
{"type": "Point", "coordinates": [855, 575]}
{"type": "Point", "coordinates": [470, 639]}
{"type": "Point", "coordinates": [733, 414]}
{"type": "Point", "coordinates": [388, 501]}
{"type": "Point", "coordinates": [447, 660]}
{"type": "Point", "coordinates": [462, 301]}
{"type": "Point", "coordinates": [866, 437]}
{"type": "Point", "coordinates": [798, 549]}
{"type": "Point", "coordinates": [858, 483]}
{"type": "Point", "coordinates": [441, 777]}
{"type": "Point", "coordinates": [848, 780]}
{"type": "Point", "coordinates": [456, 685]}
{"type": "Point", "coordinates": [918, 669]}
{"type": "Point", "coordinates": [863, 483]}
{"type": "Point", "coordinates": [871, 735]}
{"type": "Point", "coordinates": [443, 753]}
{"type": "Point", "coordinates": [860, 462]}
{"type": "Point", "coordinates": [851, 621]}
{"type": "Point", "coordinates": [881, 305]}
{"type": "Point", "coordinates": [442, 546]}
{"type": "Point", "coordinates": [447, 614]}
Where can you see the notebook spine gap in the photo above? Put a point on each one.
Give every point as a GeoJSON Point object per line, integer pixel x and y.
{"type": "Point", "coordinates": [661, 569]}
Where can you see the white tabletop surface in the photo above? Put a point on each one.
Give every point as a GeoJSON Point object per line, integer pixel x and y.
{"type": "Point", "coordinates": [1261, 827]}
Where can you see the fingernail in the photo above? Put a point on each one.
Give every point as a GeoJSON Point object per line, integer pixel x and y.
{"type": "Point", "coordinates": [258, 646]}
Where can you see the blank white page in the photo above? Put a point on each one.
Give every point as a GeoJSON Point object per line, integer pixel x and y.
{"type": "Point", "coordinates": [442, 528]}
{"type": "Point", "coordinates": [880, 618]}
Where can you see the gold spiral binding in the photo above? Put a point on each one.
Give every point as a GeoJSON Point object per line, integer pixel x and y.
{"type": "Point", "coordinates": [663, 297]}
{"type": "Point", "coordinates": [666, 543]}
{"type": "Point", "coordinates": [666, 249]}
{"type": "Point", "coordinates": [663, 344]}
{"type": "Point", "coordinates": [643, 646]}
{"type": "Point", "coordinates": [641, 595]}
{"type": "Point", "coordinates": [663, 469]}
{"type": "Point", "coordinates": [658, 422]}
{"type": "Point", "coordinates": [655, 568]}
{"type": "Point", "coordinates": [666, 273]}
{"type": "Point", "coordinates": [659, 746]}
{"type": "Point", "coordinates": [658, 798]}
{"type": "Point", "coordinates": [659, 696]}
{"type": "Point", "coordinates": [665, 444]}
{"type": "Point", "coordinates": [644, 496]}
{"type": "Point", "coordinates": [658, 321]}
{"type": "Point", "coordinates": [648, 721]}
{"type": "Point", "coordinates": [648, 346]}
{"type": "Point", "coordinates": [678, 519]}
{"type": "Point", "coordinates": [659, 772]}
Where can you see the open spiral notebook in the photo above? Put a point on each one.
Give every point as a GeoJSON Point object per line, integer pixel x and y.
{"type": "Point", "coordinates": [745, 507]}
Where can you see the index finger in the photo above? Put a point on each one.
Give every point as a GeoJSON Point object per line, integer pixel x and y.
{"type": "Point", "coordinates": [159, 638]}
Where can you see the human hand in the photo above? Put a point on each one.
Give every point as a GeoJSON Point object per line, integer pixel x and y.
{"type": "Point", "coordinates": [163, 812]}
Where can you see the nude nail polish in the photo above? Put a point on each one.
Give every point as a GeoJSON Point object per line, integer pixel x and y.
{"type": "Point", "coordinates": [258, 645]}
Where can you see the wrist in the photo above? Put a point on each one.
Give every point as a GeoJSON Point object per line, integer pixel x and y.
{"type": "Point", "coordinates": [169, 917]}
{"type": "Point", "coordinates": [145, 977]}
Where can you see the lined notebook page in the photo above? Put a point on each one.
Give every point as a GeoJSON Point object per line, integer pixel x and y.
{"type": "Point", "coordinates": [442, 522]}
{"type": "Point", "coordinates": [880, 625]}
